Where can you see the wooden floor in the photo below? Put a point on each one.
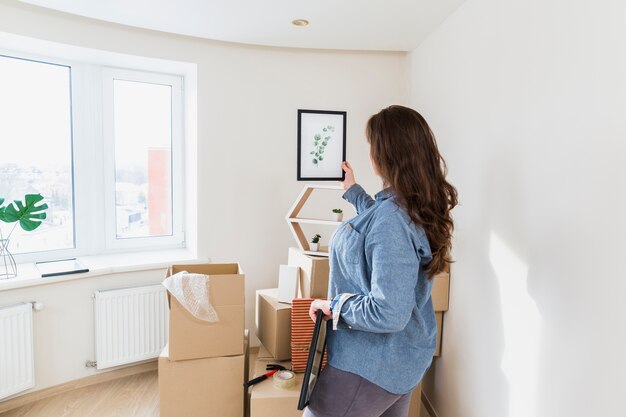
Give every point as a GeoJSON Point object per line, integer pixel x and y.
{"type": "Point", "coordinates": [132, 396]}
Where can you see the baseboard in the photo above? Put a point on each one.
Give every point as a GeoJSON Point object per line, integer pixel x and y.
{"type": "Point", "coordinates": [428, 405]}
{"type": "Point", "coordinates": [20, 400]}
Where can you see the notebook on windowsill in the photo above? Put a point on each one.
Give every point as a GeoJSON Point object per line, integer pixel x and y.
{"type": "Point", "coordinates": [62, 267]}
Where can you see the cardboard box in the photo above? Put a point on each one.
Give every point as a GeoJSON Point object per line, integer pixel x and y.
{"type": "Point", "coordinates": [191, 338]}
{"type": "Point", "coordinates": [246, 371]}
{"type": "Point", "coordinates": [273, 323]}
{"type": "Point", "coordinates": [265, 355]}
{"type": "Point", "coordinates": [441, 291]}
{"type": "Point", "coordinates": [268, 401]}
{"type": "Point", "coordinates": [314, 272]}
{"type": "Point", "coordinates": [439, 318]}
{"type": "Point", "coordinates": [246, 353]}
{"type": "Point", "coordinates": [415, 407]}
{"type": "Point", "coordinates": [263, 358]}
{"type": "Point", "coordinates": [208, 387]}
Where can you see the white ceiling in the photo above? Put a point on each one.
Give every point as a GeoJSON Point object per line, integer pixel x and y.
{"type": "Point", "coordinates": [392, 25]}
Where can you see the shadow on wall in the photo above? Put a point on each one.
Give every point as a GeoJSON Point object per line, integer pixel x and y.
{"type": "Point", "coordinates": [522, 328]}
{"type": "Point", "coordinates": [510, 228]}
{"type": "Point", "coordinates": [496, 322]}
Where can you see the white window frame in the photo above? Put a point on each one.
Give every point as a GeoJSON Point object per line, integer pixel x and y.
{"type": "Point", "coordinates": [109, 75]}
{"type": "Point", "coordinates": [67, 252]}
{"type": "Point", "coordinates": [93, 156]}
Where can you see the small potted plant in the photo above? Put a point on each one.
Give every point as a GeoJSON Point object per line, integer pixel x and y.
{"type": "Point", "coordinates": [338, 213]}
{"type": "Point", "coordinates": [315, 243]}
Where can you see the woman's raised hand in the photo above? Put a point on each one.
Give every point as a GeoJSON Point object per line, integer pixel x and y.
{"type": "Point", "coordinates": [349, 181]}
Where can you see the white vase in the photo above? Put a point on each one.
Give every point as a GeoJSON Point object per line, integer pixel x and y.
{"type": "Point", "coordinates": [315, 247]}
{"type": "Point", "coordinates": [338, 216]}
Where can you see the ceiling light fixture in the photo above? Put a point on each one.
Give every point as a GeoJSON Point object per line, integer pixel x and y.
{"type": "Point", "coordinates": [300, 22]}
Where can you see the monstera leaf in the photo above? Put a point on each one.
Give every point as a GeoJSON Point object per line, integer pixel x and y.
{"type": "Point", "coordinates": [2, 209]}
{"type": "Point", "coordinates": [29, 214]}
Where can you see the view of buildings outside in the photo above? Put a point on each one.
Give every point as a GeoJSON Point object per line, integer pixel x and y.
{"type": "Point", "coordinates": [36, 153]}
{"type": "Point", "coordinates": [36, 149]}
{"type": "Point", "coordinates": [143, 125]}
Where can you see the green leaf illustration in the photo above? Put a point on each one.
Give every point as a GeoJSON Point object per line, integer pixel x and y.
{"type": "Point", "coordinates": [29, 214]}
{"type": "Point", "coordinates": [320, 144]}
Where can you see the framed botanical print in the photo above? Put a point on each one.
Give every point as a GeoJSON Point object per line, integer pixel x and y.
{"type": "Point", "coordinates": [321, 145]}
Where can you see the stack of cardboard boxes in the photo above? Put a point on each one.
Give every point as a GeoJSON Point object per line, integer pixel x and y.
{"type": "Point", "coordinates": [202, 370]}
{"type": "Point", "coordinates": [273, 328]}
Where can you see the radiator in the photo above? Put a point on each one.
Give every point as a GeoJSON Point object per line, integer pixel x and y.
{"type": "Point", "coordinates": [17, 371]}
{"type": "Point", "coordinates": [131, 324]}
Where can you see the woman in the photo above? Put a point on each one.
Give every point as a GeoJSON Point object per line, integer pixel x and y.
{"type": "Point", "coordinates": [381, 267]}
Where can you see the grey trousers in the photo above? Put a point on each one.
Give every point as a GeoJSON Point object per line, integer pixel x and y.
{"type": "Point", "coordinates": [344, 394]}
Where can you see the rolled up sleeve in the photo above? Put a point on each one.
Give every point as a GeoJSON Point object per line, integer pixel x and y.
{"type": "Point", "coordinates": [358, 197]}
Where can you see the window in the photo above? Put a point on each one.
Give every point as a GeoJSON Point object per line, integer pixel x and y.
{"type": "Point", "coordinates": [36, 151]}
{"type": "Point", "coordinates": [102, 145]}
{"type": "Point", "coordinates": [142, 129]}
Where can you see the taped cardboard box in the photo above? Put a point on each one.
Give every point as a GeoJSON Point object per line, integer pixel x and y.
{"type": "Point", "coordinates": [273, 323]}
{"type": "Point", "coordinates": [208, 387]}
{"type": "Point", "coordinates": [441, 291]}
{"type": "Point", "coordinates": [266, 400]}
{"type": "Point", "coordinates": [192, 338]}
{"type": "Point", "coordinates": [314, 272]}
{"type": "Point", "coordinates": [439, 318]}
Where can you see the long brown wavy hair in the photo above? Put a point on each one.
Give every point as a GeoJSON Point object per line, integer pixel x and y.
{"type": "Point", "coordinates": [405, 153]}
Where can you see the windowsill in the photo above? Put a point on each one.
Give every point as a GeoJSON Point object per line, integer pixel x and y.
{"type": "Point", "coordinates": [29, 276]}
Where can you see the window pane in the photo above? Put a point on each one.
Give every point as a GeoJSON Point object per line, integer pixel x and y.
{"type": "Point", "coordinates": [36, 149]}
{"type": "Point", "coordinates": [143, 147]}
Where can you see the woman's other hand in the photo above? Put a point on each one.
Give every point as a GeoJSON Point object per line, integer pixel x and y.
{"type": "Point", "coordinates": [349, 181]}
{"type": "Point", "coordinates": [323, 305]}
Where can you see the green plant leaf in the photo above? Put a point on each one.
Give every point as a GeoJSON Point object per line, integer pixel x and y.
{"type": "Point", "coordinates": [2, 210]}
{"type": "Point", "coordinates": [321, 157]}
{"type": "Point", "coordinates": [317, 136]}
{"type": "Point", "coordinates": [314, 161]}
{"type": "Point", "coordinates": [324, 129]}
{"type": "Point", "coordinates": [29, 214]}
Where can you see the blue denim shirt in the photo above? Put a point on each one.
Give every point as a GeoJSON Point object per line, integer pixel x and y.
{"type": "Point", "coordinates": [387, 330]}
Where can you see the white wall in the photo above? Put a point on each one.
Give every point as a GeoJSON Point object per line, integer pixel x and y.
{"type": "Point", "coordinates": [527, 99]}
{"type": "Point", "coordinates": [63, 331]}
{"type": "Point", "coordinates": [247, 106]}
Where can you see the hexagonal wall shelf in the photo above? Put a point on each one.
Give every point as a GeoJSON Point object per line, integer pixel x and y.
{"type": "Point", "coordinates": [294, 221]}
